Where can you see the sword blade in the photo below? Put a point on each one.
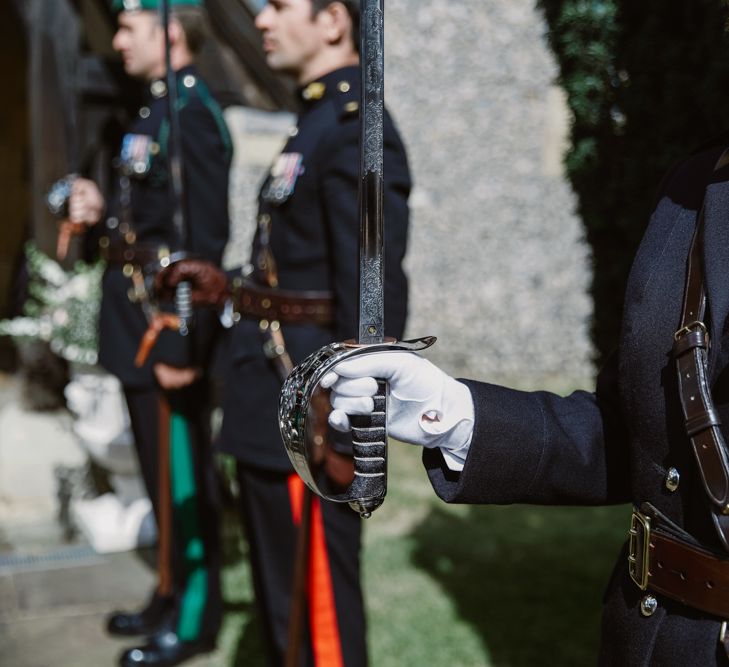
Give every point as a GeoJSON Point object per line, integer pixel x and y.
{"type": "Point", "coordinates": [371, 312]}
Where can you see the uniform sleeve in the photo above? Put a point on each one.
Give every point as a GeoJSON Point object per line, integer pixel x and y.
{"type": "Point", "coordinates": [540, 448]}
{"type": "Point", "coordinates": [340, 183]}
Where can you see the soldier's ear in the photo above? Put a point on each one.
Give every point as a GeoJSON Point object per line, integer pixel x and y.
{"type": "Point", "coordinates": [338, 22]}
{"type": "Point", "coordinates": [177, 34]}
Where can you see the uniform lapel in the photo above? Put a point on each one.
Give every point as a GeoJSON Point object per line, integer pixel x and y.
{"type": "Point", "coordinates": [716, 256]}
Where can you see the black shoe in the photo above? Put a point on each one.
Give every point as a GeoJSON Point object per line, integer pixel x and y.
{"type": "Point", "coordinates": [164, 650]}
{"type": "Point", "coordinates": [144, 622]}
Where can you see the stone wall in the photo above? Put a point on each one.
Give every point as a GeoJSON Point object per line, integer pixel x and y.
{"type": "Point", "coordinates": [498, 265]}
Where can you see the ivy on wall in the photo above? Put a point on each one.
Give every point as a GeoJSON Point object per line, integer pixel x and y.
{"type": "Point", "coordinates": [647, 83]}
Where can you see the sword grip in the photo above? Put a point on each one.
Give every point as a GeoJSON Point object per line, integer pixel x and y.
{"type": "Point", "coordinates": [369, 446]}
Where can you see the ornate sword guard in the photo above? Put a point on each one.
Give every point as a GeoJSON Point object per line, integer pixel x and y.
{"type": "Point", "coordinates": [369, 433]}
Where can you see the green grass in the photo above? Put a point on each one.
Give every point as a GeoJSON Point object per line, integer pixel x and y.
{"type": "Point", "coordinates": [463, 586]}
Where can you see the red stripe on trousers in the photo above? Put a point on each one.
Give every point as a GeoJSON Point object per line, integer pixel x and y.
{"type": "Point", "coordinates": [323, 623]}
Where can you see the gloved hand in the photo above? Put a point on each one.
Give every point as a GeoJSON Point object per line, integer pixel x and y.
{"type": "Point", "coordinates": [426, 406]}
{"type": "Point", "coordinates": [209, 283]}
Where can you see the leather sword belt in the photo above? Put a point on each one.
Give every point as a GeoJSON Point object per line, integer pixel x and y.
{"type": "Point", "coordinates": [138, 254]}
{"type": "Point", "coordinates": [285, 306]}
{"type": "Point", "coordinates": [662, 563]}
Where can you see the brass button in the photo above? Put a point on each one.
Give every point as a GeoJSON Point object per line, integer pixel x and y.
{"type": "Point", "coordinates": [648, 605]}
{"type": "Point", "coordinates": [351, 107]}
{"type": "Point", "coordinates": [104, 242]}
{"type": "Point", "coordinates": [344, 86]}
{"type": "Point", "coordinates": [263, 325]}
{"type": "Point", "coordinates": [130, 237]}
{"type": "Point", "coordinates": [672, 479]}
{"type": "Point", "coordinates": [314, 91]}
{"type": "Point", "coordinates": [128, 270]}
{"type": "Point", "coordinates": [266, 303]}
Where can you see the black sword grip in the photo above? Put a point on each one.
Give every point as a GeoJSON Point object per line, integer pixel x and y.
{"type": "Point", "coordinates": [369, 446]}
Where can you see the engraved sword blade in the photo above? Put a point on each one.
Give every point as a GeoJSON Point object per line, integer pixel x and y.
{"type": "Point", "coordinates": [371, 311]}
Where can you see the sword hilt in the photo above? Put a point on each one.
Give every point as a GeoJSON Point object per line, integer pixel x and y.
{"type": "Point", "coordinates": [369, 432]}
{"type": "Point", "coordinates": [369, 447]}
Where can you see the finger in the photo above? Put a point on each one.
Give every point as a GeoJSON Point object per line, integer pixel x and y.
{"type": "Point", "coordinates": [339, 421]}
{"type": "Point", "coordinates": [328, 380]}
{"type": "Point", "coordinates": [383, 365]}
{"type": "Point", "coordinates": [356, 386]}
{"type": "Point", "coordinates": [361, 405]}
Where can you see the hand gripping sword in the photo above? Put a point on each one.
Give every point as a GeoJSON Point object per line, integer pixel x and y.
{"type": "Point", "coordinates": [369, 433]}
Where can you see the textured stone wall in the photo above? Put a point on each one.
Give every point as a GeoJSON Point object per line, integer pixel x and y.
{"type": "Point", "coordinates": [497, 262]}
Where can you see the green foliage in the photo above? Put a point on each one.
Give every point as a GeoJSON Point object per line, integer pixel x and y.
{"type": "Point", "coordinates": [645, 82]}
{"type": "Point", "coordinates": [62, 308]}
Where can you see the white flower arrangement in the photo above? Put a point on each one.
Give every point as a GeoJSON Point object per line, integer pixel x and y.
{"type": "Point", "coordinates": [62, 307]}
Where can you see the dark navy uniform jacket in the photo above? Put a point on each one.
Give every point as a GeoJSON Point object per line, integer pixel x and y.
{"type": "Point", "coordinates": [617, 444]}
{"type": "Point", "coordinates": [206, 156]}
{"type": "Point", "coordinates": [314, 235]}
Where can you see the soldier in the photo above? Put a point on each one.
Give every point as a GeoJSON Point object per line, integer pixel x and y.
{"type": "Point", "coordinates": [167, 395]}
{"type": "Point", "coordinates": [299, 293]}
{"type": "Point", "coordinates": [650, 434]}
{"type": "Point", "coordinates": [305, 250]}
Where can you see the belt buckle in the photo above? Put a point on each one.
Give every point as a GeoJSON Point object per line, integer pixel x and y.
{"type": "Point", "coordinates": [638, 549]}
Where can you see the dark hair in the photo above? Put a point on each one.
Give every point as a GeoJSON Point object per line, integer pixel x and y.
{"type": "Point", "coordinates": [352, 7]}
{"type": "Point", "coordinates": [194, 22]}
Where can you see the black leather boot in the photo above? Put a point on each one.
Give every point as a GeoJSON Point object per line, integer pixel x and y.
{"type": "Point", "coordinates": [143, 622]}
{"type": "Point", "coordinates": [165, 649]}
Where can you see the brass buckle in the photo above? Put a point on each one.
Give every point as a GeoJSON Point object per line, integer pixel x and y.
{"type": "Point", "coordinates": [696, 324]}
{"type": "Point", "coordinates": [638, 549]}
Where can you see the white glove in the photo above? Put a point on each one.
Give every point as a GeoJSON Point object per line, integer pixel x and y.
{"type": "Point", "coordinates": [426, 406]}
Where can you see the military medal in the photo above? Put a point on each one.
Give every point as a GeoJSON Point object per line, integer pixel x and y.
{"type": "Point", "coordinates": [282, 179]}
{"type": "Point", "coordinates": [136, 154]}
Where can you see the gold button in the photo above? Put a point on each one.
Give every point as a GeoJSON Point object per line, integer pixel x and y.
{"type": "Point", "coordinates": [263, 324]}
{"type": "Point", "coordinates": [104, 242]}
{"type": "Point", "coordinates": [128, 270]}
{"type": "Point", "coordinates": [130, 237]}
{"type": "Point", "coordinates": [344, 86]}
{"type": "Point", "coordinates": [266, 303]}
{"type": "Point", "coordinates": [351, 107]}
{"type": "Point", "coordinates": [314, 91]}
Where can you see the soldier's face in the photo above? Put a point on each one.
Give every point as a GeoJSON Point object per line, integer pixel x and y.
{"type": "Point", "coordinates": [140, 40]}
{"type": "Point", "coordinates": [293, 37]}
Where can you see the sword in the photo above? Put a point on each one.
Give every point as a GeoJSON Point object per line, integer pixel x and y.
{"type": "Point", "coordinates": [369, 433]}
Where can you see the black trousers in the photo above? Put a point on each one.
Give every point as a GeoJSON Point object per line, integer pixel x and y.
{"type": "Point", "coordinates": [195, 534]}
{"type": "Point", "coordinates": [335, 627]}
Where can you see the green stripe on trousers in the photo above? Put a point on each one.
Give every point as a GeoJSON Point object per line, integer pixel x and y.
{"type": "Point", "coordinates": [187, 525]}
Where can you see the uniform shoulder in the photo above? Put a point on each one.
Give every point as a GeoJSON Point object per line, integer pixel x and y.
{"type": "Point", "coordinates": [687, 178]}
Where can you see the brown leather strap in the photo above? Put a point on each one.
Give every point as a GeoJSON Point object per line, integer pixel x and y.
{"type": "Point", "coordinates": [692, 576]}
{"type": "Point", "coordinates": [285, 306]}
{"type": "Point", "coordinates": [701, 420]}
